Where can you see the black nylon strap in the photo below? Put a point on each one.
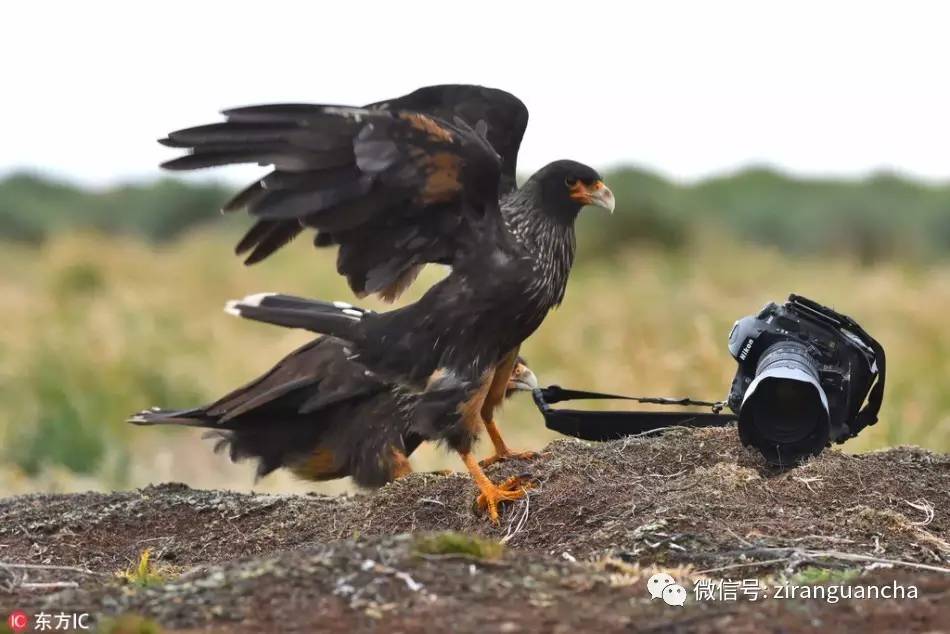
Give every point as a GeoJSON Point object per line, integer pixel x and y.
{"type": "Point", "coordinates": [556, 394]}
{"type": "Point", "coordinates": [601, 426]}
{"type": "Point", "coordinates": [869, 413]}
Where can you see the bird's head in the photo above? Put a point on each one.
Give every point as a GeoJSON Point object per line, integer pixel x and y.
{"type": "Point", "coordinates": [522, 378]}
{"type": "Point", "coordinates": [568, 186]}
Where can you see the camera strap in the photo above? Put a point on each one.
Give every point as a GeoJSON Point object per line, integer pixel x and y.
{"type": "Point", "coordinates": [611, 425]}
{"type": "Point", "coordinates": [872, 407]}
{"type": "Point", "coordinates": [556, 394]}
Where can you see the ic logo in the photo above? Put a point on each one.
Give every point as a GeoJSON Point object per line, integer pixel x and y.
{"type": "Point", "coordinates": [18, 621]}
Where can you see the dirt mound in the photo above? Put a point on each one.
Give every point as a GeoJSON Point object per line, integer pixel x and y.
{"type": "Point", "coordinates": [603, 518]}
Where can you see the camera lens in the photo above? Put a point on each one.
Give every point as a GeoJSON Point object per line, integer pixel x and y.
{"type": "Point", "coordinates": [784, 411]}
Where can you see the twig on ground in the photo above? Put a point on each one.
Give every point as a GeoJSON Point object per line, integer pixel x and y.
{"type": "Point", "coordinates": [521, 521]}
{"type": "Point", "coordinates": [736, 535]}
{"type": "Point", "coordinates": [926, 508]}
{"type": "Point", "coordinates": [650, 432]}
{"type": "Point", "coordinates": [832, 554]}
{"type": "Point", "coordinates": [748, 564]}
{"type": "Point", "coordinates": [827, 538]}
{"type": "Point", "coordinates": [5, 564]}
{"type": "Point", "coordinates": [50, 585]}
{"type": "Point", "coordinates": [788, 554]}
{"type": "Point", "coordinates": [807, 481]}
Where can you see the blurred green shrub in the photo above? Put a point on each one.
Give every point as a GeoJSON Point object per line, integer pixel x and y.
{"type": "Point", "coordinates": [67, 399]}
{"type": "Point", "coordinates": [34, 207]}
{"type": "Point", "coordinates": [884, 216]}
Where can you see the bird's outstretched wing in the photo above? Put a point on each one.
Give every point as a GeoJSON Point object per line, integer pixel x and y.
{"type": "Point", "coordinates": [395, 188]}
{"type": "Point", "coordinates": [505, 116]}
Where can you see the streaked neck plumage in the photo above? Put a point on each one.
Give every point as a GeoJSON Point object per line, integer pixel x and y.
{"type": "Point", "coordinates": [548, 240]}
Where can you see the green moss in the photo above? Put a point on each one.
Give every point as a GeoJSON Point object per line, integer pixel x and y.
{"type": "Point", "coordinates": [450, 543]}
{"type": "Point", "coordinates": [146, 573]}
{"type": "Point", "coordinates": [816, 575]}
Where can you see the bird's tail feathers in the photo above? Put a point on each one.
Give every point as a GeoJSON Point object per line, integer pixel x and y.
{"type": "Point", "coordinates": [196, 417]}
{"type": "Point", "coordinates": [337, 319]}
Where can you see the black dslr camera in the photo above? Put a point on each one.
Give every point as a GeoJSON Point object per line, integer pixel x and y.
{"type": "Point", "coordinates": [804, 374]}
{"type": "Point", "coordinates": [805, 371]}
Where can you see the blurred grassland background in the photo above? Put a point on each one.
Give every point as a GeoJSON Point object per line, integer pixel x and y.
{"type": "Point", "coordinates": [111, 302]}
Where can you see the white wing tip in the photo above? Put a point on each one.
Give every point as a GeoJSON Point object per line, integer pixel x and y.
{"type": "Point", "coordinates": [342, 305]}
{"type": "Point", "coordinates": [256, 298]}
{"type": "Point", "coordinates": [233, 307]}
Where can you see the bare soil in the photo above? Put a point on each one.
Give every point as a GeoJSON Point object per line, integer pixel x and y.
{"type": "Point", "coordinates": [579, 549]}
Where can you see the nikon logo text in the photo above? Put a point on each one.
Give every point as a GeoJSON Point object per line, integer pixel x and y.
{"type": "Point", "coordinates": [746, 348]}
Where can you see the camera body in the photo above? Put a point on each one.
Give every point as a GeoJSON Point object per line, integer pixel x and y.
{"type": "Point", "coordinates": [804, 373]}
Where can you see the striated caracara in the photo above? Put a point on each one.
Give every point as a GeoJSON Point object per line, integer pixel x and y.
{"type": "Point", "coordinates": [426, 178]}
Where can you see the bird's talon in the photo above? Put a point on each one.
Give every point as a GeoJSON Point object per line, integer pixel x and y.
{"type": "Point", "coordinates": [512, 489]}
{"type": "Point", "coordinates": [509, 455]}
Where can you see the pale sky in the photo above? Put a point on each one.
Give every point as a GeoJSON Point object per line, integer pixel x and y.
{"type": "Point", "coordinates": [686, 88]}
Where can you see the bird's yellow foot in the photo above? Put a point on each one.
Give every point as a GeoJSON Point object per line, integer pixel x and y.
{"type": "Point", "coordinates": [502, 456]}
{"type": "Point", "coordinates": [513, 488]}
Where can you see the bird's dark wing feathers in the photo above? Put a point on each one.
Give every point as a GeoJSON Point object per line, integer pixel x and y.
{"type": "Point", "coordinates": [503, 116]}
{"type": "Point", "coordinates": [316, 403]}
{"type": "Point", "coordinates": [395, 188]}
{"type": "Point", "coordinates": [319, 372]}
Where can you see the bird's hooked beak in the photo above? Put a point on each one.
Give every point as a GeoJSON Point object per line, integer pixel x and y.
{"type": "Point", "coordinates": [598, 195]}
{"type": "Point", "coordinates": [522, 379]}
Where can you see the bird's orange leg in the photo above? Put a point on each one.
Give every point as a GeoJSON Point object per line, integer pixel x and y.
{"type": "Point", "coordinates": [490, 494]}
{"type": "Point", "coordinates": [494, 397]}
{"type": "Point", "coordinates": [502, 452]}
{"type": "Point", "coordinates": [400, 467]}
{"type": "Point", "coordinates": [493, 494]}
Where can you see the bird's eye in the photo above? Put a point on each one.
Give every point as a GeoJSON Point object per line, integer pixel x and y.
{"type": "Point", "coordinates": [570, 181]}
